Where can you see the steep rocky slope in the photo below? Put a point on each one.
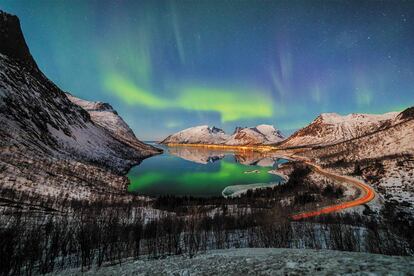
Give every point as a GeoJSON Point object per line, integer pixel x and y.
{"type": "Point", "coordinates": [331, 128]}
{"type": "Point", "coordinates": [40, 126]}
{"type": "Point", "coordinates": [260, 135]}
{"type": "Point", "coordinates": [384, 158]}
{"type": "Point", "coordinates": [102, 114]}
{"type": "Point", "coordinates": [271, 134]}
{"type": "Point", "coordinates": [197, 135]}
{"type": "Point", "coordinates": [395, 137]}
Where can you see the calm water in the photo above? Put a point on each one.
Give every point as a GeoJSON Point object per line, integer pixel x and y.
{"type": "Point", "coordinates": [200, 172]}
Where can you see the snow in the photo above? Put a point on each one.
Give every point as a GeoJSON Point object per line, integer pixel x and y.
{"type": "Point", "coordinates": [356, 118]}
{"type": "Point", "coordinates": [262, 261]}
{"type": "Point", "coordinates": [331, 128]}
{"type": "Point", "coordinates": [387, 156]}
{"type": "Point", "coordinates": [105, 116]}
{"type": "Point", "coordinates": [87, 105]}
{"type": "Point", "coordinates": [43, 118]}
{"type": "Point", "coordinates": [272, 135]}
{"type": "Point", "coordinates": [246, 136]}
{"type": "Point", "coordinates": [90, 141]}
{"type": "Point", "coordinates": [261, 134]}
{"type": "Point", "coordinates": [267, 162]}
{"type": "Point", "coordinates": [397, 183]}
{"type": "Point", "coordinates": [238, 190]}
{"type": "Point", "coordinates": [51, 150]}
{"type": "Point", "coordinates": [198, 135]}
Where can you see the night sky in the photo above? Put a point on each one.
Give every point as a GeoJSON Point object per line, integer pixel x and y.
{"type": "Point", "coordinates": [169, 65]}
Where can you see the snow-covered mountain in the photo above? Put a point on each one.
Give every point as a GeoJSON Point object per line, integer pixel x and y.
{"type": "Point", "coordinates": [394, 137]}
{"type": "Point", "coordinates": [41, 126]}
{"type": "Point", "coordinates": [102, 114]}
{"type": "Point", "coordinates": [271, 134]}
{"type": "Point", "coordinates": [259, 135]}
{"type": "Point", "coordinates": [331, 128]}
{"type": "Point", "coordinates": [37, 114]}
{"type": "Point", "coordinates": [198, 135]}
{"type": "Point", "coordinates": [384, 158]}
{"type": "Point", "coordinates": [262, 134]}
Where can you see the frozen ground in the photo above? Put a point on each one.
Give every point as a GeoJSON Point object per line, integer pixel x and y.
{"type": "Point", "coordinates": [238, 190]}
{"type": "Point", "coordinates": [265, 261]}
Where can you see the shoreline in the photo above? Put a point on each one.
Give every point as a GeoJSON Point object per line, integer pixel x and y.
{"type": "Point", "coordinates": [367, 193]}
{"type": "Point", "coordinates": [258, 148]}
{"type": "Point", "coordinates": [244, 188]}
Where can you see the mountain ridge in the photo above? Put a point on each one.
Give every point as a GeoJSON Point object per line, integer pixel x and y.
{"type": "Point", "coordinates": [51, 145]}
{"type": "Point", "coordinates": [332, 128]}
{"type": "Point", "coordinates": [12, 40]}
{"type": "Point", "coordinates": [247, 136]}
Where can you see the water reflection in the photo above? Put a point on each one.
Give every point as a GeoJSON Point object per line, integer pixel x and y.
{"type": "Point", "coordinates": [205, 155]}
{"type": "Point", "coordinates": [201, 172]}
{"type": "Point", "coordinates": [197, 155]}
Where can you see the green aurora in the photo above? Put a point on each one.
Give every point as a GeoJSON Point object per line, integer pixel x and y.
{"type": "Point", "coordinates": [232, 105]}
{"type": "Point", "coordinates": [198, 183]}
{"type": "Point", "coordinates": [168, 65]}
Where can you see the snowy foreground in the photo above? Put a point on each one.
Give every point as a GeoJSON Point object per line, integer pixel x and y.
{"type": "Point", "coordinates": [264, 261]}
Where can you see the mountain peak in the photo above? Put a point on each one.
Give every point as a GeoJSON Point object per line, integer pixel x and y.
{"type": "Point", "coordinates": [237, 129]}
{"type": "Point", "coordinates": [328, 117]}
{"type": "Point", "coordinates": [261, 134]}
{"type": "Point", "coordinates": [265, 126]}
{"type": "Point", "coordinates": [269, 131]}
{"type": "Point", "coordinates": [407, 114]}
{"type": "Point", "coordinates": [331, 128]}
{"type": "Point", "coordinates": [216, 130]}
{"type": "Point", "coordinates": [39, 117]}
{"type": "Point", "coordinates": [12, 42]}
{"type": "Point", "coordinates": [91, 106]}
{"type": "Point", "coordinates": [197, 135]}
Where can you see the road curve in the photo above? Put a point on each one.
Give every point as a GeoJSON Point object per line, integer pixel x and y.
{"type": "Point", "coordinates": [367, 193]}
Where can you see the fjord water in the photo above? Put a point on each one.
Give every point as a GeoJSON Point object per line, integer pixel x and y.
{"type": "Point", "coordinates": [200, 172]}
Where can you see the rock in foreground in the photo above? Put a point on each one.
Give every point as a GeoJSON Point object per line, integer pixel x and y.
{"type": "Point", "coordinates": [266, 261]}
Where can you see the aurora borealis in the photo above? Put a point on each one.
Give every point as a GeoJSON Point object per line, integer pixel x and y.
{"type": "Point", "coordinates": [169, 65]}
{"type": "Point", "coordinates": [170, 175]}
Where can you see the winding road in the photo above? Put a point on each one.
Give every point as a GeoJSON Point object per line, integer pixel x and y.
{"type": "Point", "coordinates": [367, 193]}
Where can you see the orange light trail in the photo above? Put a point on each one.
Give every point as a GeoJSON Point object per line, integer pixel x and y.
{"type": "Point", "coordinates": [368, 194]}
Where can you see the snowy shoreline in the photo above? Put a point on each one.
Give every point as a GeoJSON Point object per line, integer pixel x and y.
{"type": "Point", "coordinates": [238, 190]}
